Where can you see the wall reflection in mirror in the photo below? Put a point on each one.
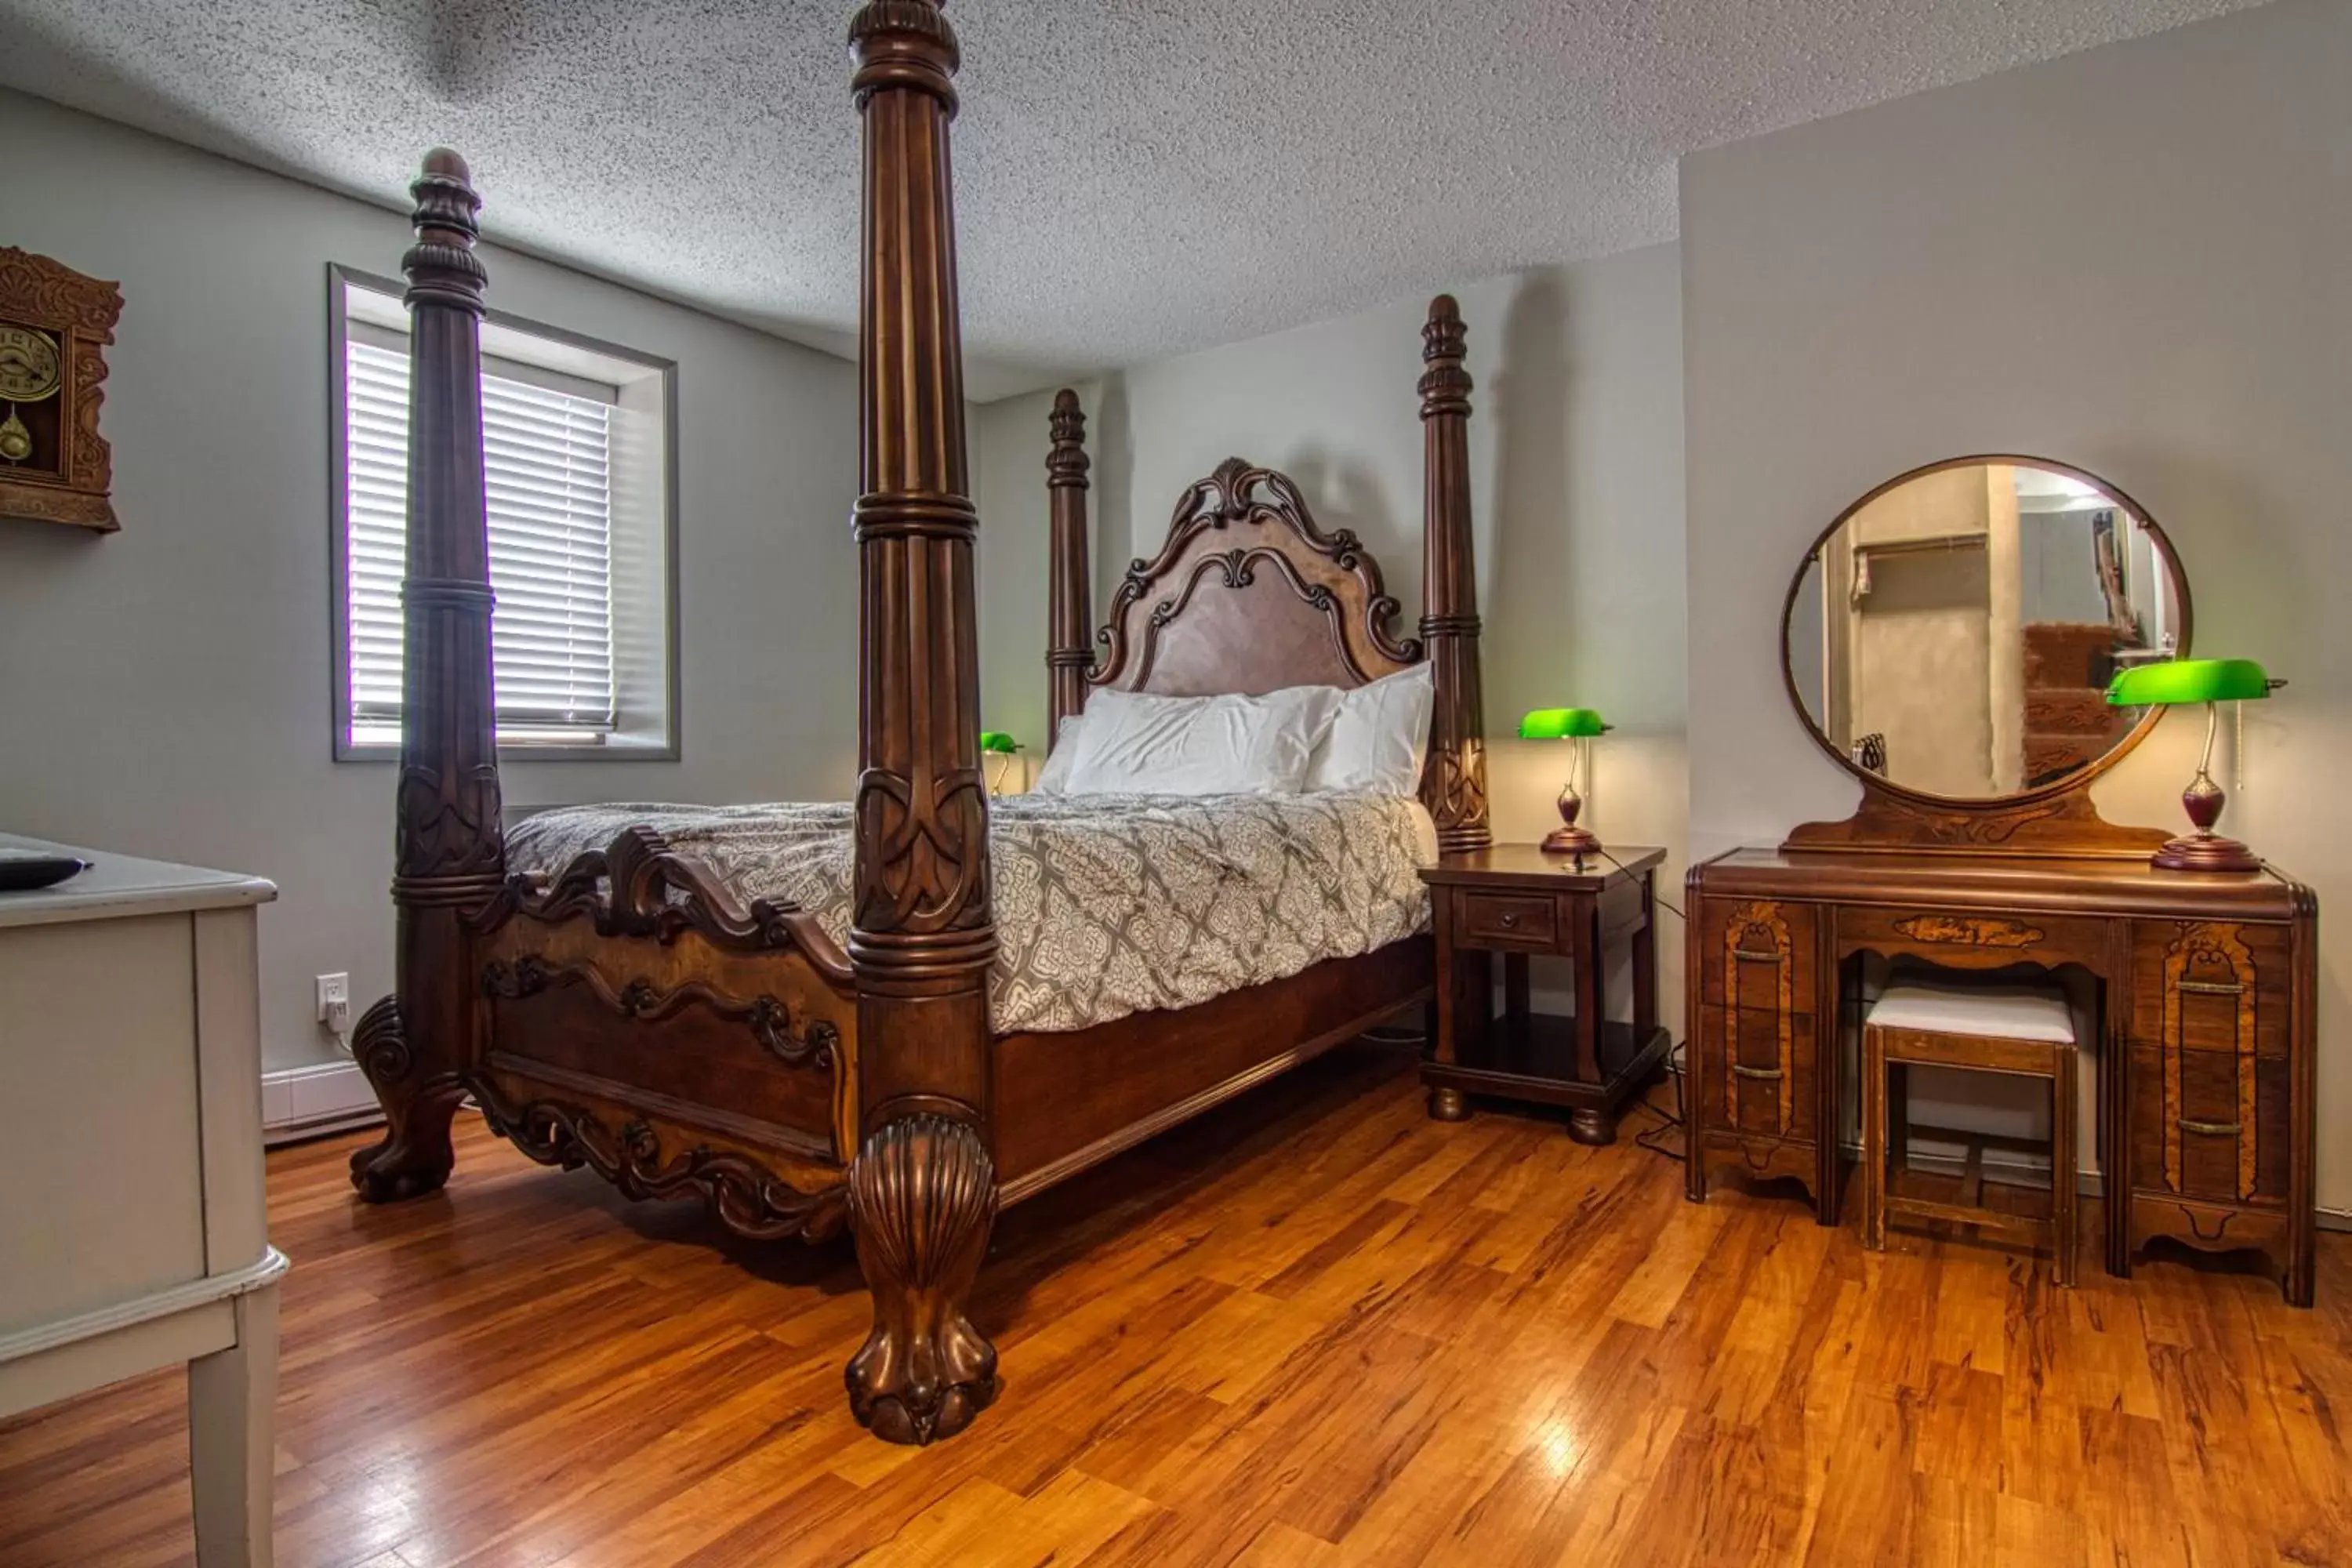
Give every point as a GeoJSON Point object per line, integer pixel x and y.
{"type": "Point", "coordinates": [1954, 632]}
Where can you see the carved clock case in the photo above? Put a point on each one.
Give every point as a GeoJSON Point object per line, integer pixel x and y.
{"type": "Point", "coordinates": [55, 326]}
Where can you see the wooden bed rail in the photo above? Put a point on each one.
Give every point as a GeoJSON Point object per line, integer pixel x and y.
{"type": "Point", "coordinates": [449, 840]}
{"type": "Point", "coordinates": [922, 1192]}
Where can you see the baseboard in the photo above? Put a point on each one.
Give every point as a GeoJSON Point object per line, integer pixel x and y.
{"type": "Point", "coordinates": [303, 1103]}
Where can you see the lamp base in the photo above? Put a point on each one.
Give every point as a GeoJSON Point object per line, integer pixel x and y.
{"type": "Point", "coordinates": [2205, 852]}
{"type": "Point", "coordinates": [1572, 840]}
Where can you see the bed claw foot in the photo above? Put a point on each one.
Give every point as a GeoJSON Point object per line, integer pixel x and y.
{"type": "Point", "coordinates": [414, 1157]}
{"type": "Point", "coordinates": [922, 1196]}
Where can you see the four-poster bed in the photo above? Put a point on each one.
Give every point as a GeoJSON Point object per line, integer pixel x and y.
{"type": "Point", "coordinates": [630, 1011]}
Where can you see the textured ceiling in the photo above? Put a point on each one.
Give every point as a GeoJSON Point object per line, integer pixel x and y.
{"type": "Point", "coordinates": [1135, 178]}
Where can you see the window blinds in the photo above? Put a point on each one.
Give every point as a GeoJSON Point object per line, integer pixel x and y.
{"type": "Point", "coordinates": [548, 455]}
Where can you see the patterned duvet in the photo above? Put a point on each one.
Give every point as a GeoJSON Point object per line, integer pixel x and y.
{"type": "Point", "coordinates": [1106, 905]}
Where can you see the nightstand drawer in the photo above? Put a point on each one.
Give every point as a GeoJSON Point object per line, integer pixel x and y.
{"type": "Point", "coordinates": [1506, 920]}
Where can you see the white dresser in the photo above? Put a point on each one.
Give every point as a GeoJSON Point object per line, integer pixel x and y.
{"type": "Point", "coordinates": [133, 1225]}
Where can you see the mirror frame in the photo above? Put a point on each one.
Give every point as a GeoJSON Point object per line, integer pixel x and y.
{"type": "Point", "coordinates": [2051, 818]}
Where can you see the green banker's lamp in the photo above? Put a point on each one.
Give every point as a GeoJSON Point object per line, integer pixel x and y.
{"type": "Point", "coordinates": [1577, 726]}
{"type": "Point", "coordinates": [2210, 681]}
{"type": "Point", "coordinates": [999, 749]}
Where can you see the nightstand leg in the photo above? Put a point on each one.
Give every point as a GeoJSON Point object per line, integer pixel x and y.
{"type": "Point", "coordinates": [1593, 1129]}
{"type": "Point", "coordinates": [1585, 954]}
{"type": "Point", "coordinates": [1586, 1125]}
{"type": "Point", "coordinates": [1458, 1014]}
{"type": "Point", "coordinates": [1645, 966]}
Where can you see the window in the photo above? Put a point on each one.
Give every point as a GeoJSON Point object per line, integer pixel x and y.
{"type": "Point", "coordinates": [575, 444]}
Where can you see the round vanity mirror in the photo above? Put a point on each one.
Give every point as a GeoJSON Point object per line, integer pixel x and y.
{"type": "Point", "coordinates": [1953, 632]}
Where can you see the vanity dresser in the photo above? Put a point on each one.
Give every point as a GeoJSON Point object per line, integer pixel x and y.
{"type": "Point", "coordinates": [1949, 641]}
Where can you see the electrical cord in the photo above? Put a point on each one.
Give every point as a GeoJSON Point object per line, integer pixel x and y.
{"type": "Point", "coordinates": [1661, 903]}
{"type": "Point", "coordinates": [1675, 1120]}
{"type": "Point", "coordinates": [1668, 1121]}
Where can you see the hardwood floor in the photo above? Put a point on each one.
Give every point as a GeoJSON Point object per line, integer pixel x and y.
{"type": "Point", "coordinates": [1371, 1338]}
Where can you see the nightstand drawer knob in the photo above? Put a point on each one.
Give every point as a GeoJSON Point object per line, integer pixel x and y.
{"type": "Point", "coordinates": [1509, 920]}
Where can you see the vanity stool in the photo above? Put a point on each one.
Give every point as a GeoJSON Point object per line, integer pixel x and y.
{"type": "Point", "coordinates": [2026, 1030]}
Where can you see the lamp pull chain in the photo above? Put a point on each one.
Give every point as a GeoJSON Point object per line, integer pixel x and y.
{"type": "Point", "coordinates": [2237, 748]}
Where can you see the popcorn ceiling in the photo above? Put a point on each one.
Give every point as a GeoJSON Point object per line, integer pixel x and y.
{"type": "Point", "coordinates": [1134, 178]}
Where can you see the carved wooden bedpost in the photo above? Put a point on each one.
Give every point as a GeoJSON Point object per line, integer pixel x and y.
{"type": "Point", "coordinates": [923, 1190]}
{"type": "Point", "coordinates": [1069, 613]}
{"type": "Point", "coordinates": [449, 842]}
{"type": "Point", "coordinates": [1453, 781]}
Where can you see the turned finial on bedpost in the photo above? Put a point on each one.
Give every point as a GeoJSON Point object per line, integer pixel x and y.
{"type": "Point", "coordinates": [1069, 611]}
{"type": "Point", "coordinates": [441, 266]}
{"type": "Point", "coordinates": [1453, 781]}
{"type": "Point", "coordinates": [922, 1189]}
{"type": "Point", "coordinates": [449, 842]}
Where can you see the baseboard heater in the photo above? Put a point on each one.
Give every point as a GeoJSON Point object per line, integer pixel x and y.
{"type": "Point", "coordinates": [304, 1102]}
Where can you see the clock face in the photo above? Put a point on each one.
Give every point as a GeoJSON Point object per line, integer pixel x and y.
{"type": "Point", "coordinates": [29, 365]}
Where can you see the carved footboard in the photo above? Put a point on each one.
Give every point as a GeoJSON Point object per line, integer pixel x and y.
{"type": "Point", "coordinates": [633, 1019]}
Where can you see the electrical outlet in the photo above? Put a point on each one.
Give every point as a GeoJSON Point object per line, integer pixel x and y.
{"type": "Point", "coordinates": [335, 1003]}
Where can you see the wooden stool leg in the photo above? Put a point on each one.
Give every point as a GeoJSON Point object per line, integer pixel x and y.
{"type": "Point", "coordinates": [1873, 1140]}
{"type": "Point", "coordinates": [2064, 1180]}
{"type": "Point", "coordinates": [1898, 1115]}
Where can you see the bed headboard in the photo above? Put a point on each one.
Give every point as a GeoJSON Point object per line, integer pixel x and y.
{"type": "Point", "coordinates": [1248, 596]}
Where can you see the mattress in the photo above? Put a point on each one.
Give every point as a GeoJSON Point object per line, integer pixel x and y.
{"type": "Point", "coordinates": [1104, 905]}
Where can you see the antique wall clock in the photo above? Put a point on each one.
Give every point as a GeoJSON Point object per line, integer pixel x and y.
{"type": "Point", "coordinates": [55, 326]}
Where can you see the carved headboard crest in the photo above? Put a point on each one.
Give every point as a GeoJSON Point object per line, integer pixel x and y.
{"type": "Point", "coordinates": [1249, 595]}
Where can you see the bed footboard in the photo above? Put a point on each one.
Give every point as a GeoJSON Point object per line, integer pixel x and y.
{"type": "Point", "coordinates": [635, 1021]}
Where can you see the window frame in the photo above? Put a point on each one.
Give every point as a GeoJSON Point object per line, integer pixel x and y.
{"type": "Point", "coordinates": [644, 731]}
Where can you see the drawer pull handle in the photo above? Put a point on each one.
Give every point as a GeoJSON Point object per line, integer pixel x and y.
{"type": "Point", "coordinates": [1509, 920]}
{"type": "Point", "coordinates": [1754, 1072]}
{"type": "Point", "coordinates": [2209, 1128]}
{"type": "Point", "coordinates": [2212, 987]}
{"type": "Point", "coordinates": [1755, 955]}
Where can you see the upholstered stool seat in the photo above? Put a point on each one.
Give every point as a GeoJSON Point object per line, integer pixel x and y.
{"type": "Point", "coordinates": [2027, 1030]}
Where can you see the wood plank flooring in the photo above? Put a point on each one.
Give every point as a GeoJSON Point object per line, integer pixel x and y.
{"type": "Point", "coordinates": [1313, 1328]}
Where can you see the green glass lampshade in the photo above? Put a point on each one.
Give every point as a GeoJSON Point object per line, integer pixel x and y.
{"type": "Point", "coordinates": [2189, 681]}
{"type": "Point", "coordinates": [998, 741]}
{"type": "Point", "coordinates": [1560, 723]}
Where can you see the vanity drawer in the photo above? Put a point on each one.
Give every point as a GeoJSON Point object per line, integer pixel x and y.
{"type": "Point", "coordinates": [1529, 920]}
{"type": "Point", "coordinates": [1960, 940]}
{"type": "Point", "coordinates": [2211, 985]}
{"type": "Point", "coordinates": [2216, 1125]}
{"type": "Point", "coordinates": [1757, 1072]}
{"type": "Point", "coordinates": [1758, 954]}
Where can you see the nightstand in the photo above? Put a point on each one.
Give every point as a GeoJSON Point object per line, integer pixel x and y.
{"type": "Point", "coordinates": [1514, 899]}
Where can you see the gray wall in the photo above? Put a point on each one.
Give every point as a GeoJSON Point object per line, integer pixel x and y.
{"type": "Point", "coordinates": [1576, 467]}
{"type": "Point", "coordinates": [164, 691]}
{"type": "Point", "coordinates": [1871, 293]}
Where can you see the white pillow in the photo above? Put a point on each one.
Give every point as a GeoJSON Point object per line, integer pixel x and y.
{"type": "Point", "coordinates": [1054, 778]}
{"type": "Point", "coordinates": [1136, 744]}
{"type": "Point", "coordinates": [1379, 736]}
